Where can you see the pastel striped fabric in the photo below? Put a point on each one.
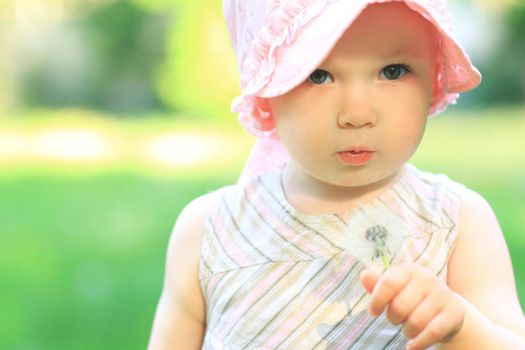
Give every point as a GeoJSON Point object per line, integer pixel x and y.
{"type": "Point", "coordinates": [275, 278]}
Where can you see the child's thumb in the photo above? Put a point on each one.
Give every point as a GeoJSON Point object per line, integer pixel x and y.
{"type": "Point", "coordinates": [369, 278]}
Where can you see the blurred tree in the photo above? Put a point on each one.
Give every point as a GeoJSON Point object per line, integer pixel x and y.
{"type": "Point", "coordinates": [134, 55]}
{"type": "Point", "coordinates": [104, 60]}
{"type": "Point", "coordinates": [504, 74]}
{"type": "Point", "coordinates": [199, 73]}
{"type": "Point", "coordinates": [7, 79]}
{"type": "Point", "coordinates": [515, 20]}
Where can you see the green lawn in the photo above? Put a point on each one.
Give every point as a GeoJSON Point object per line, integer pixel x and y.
{"type": "Point", "coordinates": [83, 257]}
{"type": "Point", "coordinates": [84, 244]}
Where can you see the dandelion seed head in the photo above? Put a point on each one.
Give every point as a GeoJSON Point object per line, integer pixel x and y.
{"type": "Point", "coordinates": [373, 232]}
{"type": "Point", "coordinates": [377, 235]}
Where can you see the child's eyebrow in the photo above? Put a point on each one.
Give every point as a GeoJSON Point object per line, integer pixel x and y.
{"type": "Point", "coordinates": [403, 50]}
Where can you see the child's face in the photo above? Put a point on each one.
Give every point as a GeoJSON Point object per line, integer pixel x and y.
{"type": "Point", "coordinates": [363, 96]}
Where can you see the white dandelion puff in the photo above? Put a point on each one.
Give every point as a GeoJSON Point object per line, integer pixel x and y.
{"type": "Point", "coordinates": [375, 233]}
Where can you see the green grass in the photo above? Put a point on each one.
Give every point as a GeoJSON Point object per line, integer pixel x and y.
{"type": "Point", "coordinates": [83, 258]}
{"type": "Point", "coordinates": [84, 245]}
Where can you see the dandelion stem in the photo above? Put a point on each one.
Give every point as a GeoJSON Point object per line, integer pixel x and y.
{"type": "Point", "coordinates": [386, 262]}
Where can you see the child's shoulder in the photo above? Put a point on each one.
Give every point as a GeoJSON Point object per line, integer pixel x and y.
{"type": "Point", "coordinates": [471, 204]}
{"type": "Point", "coordinates": [188, 231]}
{"type": "Point", "coordinates": [196, 211]}
{"type": "Point", "coordinates": [463, 207]}
{"type": "Point", "coordinates": [441, 182]}
{"type": "Point", "coordinates": [436, 195]}
{"type": "Point", "coordinates": [194, 215]}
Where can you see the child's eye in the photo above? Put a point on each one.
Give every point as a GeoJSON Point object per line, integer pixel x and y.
{"type": "Point", "coordinates": [320, 77]}
{"type": "Point", "coordinates": [395, 71]}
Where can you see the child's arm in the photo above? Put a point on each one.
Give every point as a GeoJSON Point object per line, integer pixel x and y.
{"type": "Point", "coordinates": [480, 270]}
{"type": "Point", "coordinates": [180, 318]}
{"type": "Point", "coordinates": [478, 308]}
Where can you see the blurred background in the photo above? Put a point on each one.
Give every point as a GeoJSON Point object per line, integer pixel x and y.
{"type": "Point", "coordinates": [115, 113]}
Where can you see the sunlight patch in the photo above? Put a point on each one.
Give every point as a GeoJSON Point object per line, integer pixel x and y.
{"type": "Point", "coordinates": [183, 149]}
{"type": "Point", "coordinates": [71, 145]}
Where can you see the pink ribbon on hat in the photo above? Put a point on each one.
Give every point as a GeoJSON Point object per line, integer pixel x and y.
{"type": "Point", "coordinates": [272, 40]}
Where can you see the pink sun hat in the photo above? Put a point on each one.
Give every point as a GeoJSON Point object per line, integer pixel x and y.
{"type": "Point", "coordinates": [279, 43]}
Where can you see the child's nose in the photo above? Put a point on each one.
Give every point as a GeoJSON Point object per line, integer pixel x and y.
{"type": "Point", "coordinates": [357, 110]}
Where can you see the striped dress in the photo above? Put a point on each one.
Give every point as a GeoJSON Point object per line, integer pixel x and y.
{"type": "Point", "coordinates": [275, 278]}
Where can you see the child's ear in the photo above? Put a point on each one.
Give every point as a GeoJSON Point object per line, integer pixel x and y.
{"type": "Point", "coordinates": [437, 90]}
{"type": "Point", "coordinates": [263, 114]}
{"type": "Point", "coordinates": [436, 98]}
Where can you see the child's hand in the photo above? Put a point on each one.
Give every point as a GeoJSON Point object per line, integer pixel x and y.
{"type": "Point", "coordinates": [429, 311]}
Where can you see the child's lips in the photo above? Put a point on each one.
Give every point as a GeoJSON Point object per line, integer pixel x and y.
{"type": "Point", "coordinates": [356, 156]}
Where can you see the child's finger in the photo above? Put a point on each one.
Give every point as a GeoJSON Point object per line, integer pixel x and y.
{"type": "Point", "coordinates": [388, 286]}
{"type": "Point", "coordinates": [435, 331]}
{"type": "Point", "coordinates": [418, 320]}
{"type": "Point", "coordinates": [369, 278]}
{"type": "Point", "coordinates": [406, 302]}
